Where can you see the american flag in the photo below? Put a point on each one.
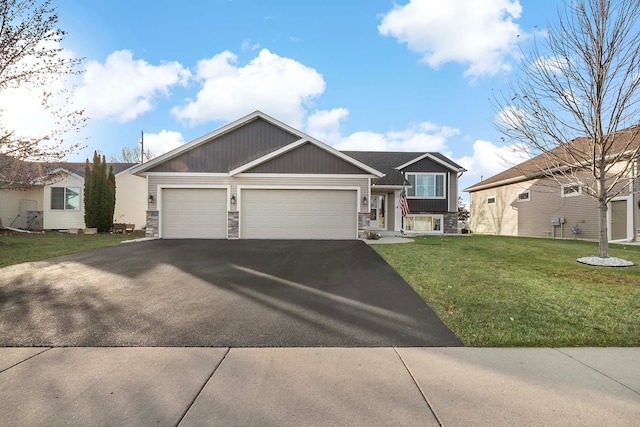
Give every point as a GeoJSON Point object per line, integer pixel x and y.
{"type": "Point", "coordinates": [404, 203]}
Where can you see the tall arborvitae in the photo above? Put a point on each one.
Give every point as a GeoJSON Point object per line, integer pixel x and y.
{"type": "Point", "coordinates": [88, 185]}
{"type": "Point", "coordinates": [100, 197]}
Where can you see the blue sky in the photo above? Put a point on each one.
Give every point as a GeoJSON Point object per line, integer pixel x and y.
{"type": "Point", "coordinates": [367, 75]}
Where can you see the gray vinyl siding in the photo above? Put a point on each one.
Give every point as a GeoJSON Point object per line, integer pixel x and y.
{"type": "Point", "coordinates": [428, 205]}
{"type": "Point", "coordinates": [426, 165]}
{"type": "Point", "coordinates": [186, 181]}
{"type": "Point", "coordinates": [231, 150]}
{"type": "Point", "coordinates": [307, 158]}
{"type": "Point", "coordinates": [453, 192]}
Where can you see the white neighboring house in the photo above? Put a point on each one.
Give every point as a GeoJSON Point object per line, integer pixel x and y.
{"type": "Point", "coordinates": [57, 202]}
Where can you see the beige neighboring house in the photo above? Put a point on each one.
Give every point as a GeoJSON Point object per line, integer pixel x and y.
{"type": "Point", "coordinates": [523, 201]}
{"type": "Point", "coordinates": [56, 202]}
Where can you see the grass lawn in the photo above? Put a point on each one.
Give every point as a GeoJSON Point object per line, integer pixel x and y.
{"type": "Point", "coordinates": [33, 247]}
{"type": "Point", "coordinates": [515, 291]}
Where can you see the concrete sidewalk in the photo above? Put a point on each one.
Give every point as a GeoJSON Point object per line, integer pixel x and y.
{"type": "Point", "coordinates": [319, 386]}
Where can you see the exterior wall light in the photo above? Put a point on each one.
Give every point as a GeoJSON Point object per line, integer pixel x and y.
{"type": "Point", "coordinates": [233, 199]}
{"type": "Point", "coordinates": [365, 201]}
{"type": "Point", "coordinates": [150, 198]}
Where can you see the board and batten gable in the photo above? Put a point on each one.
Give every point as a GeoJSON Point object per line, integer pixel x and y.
{"type": "Point", "coordinates": [307, 159]}
{"type": "Point", "coordinates": [235, 148]}
{"type": "Point", "coordinates": [450, 202]}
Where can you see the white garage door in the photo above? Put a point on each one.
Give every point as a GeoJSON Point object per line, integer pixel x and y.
{"type": "Point", "coordinates": [298, 214]}
{"type": "Point", "coordinates": [194, 213]}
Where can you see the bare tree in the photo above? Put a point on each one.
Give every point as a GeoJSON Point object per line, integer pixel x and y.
{"type": "Point", "coordinates": [31, 57]}
{"type": "Point", "coordinates": [131, 155]}
{"type": "Point", "coordinates": [575, 103]}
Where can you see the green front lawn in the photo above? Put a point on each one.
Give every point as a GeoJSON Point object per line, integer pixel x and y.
{"type": "Point", "coordinates": [514, 291]}
{"type": "Point", "coordinates": [33, 247]}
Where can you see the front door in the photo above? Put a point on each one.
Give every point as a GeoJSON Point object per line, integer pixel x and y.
{"type": "Point", "coordinates": [377, 216]}
{"type": "Point", "coordinates": [619, 220]}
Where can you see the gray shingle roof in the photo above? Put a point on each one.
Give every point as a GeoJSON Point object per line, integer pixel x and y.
{"type": "Point", "coordinates": [558, 157]}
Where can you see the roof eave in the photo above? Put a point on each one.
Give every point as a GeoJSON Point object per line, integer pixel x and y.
{"type": "Point", "coordinates": [432, 158]}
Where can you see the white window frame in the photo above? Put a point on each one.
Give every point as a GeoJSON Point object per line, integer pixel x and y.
{"type": "Point", "coordinates": [572, 194]}
{"type": "Point", "coordinates": [444, 185]}
{"type": "Point", "coordinates": [527, 199]}
{"type": "Point", "coordinates": [489, 202]}
{"type": "Point", "coordinates": [434, 216]}
{"type": "Point", "coordinates": [64, 199]}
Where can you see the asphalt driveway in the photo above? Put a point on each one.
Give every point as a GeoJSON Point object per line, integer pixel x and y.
{"type": "Point", "coordinates": [216, 293]}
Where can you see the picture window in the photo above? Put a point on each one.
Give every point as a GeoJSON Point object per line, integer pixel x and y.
{"type": "Point", "coordinates": [65, 198]}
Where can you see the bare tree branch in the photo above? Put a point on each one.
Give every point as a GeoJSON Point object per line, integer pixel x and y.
{"type": "Point", "coordinates": [31, 57]}
{"type": "Point", "coordinates": [576, 103]}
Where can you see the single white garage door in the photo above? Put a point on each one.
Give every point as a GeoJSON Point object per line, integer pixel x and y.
{"type": "Point", "coordinates": [194, 213]}
{"type": "Point", "coordinates": [298, 214]}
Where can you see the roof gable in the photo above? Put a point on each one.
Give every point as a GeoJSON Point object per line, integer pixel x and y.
{"type": "Point", "coordinates": [256, 128]}
{"type": "Point", "coordinates": [307, 158]}
{"type": "Point", "coordinates": [427, 160]}
{"type": "Point", "coordinates": [229, 150]}
{"type": "Point", "coordinates": [238, 147]}
{"type": "Point", "coordinates": [388, 163]}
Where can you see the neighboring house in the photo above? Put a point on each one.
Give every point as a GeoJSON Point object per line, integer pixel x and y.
{"type": "Point", "coordinates": [523, 201]}
{"type": "Point", "coordinates": [57, 201]}
{"type": "Point", "coordinates": [259, 178]}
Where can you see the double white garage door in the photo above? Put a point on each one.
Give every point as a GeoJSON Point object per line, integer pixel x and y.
{"type": "Point", "coordinates": [264, 213]}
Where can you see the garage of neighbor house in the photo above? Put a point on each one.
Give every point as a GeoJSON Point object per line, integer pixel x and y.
{"type": "Point", "coordinates": [257, 178]}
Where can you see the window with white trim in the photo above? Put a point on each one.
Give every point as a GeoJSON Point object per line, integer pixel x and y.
{"type": "Point", "coordinates": [491, 200]}
{"type": "Point", "coordinates": [423, 223]}
{"type": "Point", "coordinates": [426, 185]}
{"type": "Point", "coordinates": [524, 196]}
{"type": "Point", "coordinates": [570, 190]}
{"type": "Point", "coordinates": [65, 198]}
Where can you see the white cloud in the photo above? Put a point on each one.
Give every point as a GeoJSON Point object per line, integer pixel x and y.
{"type": "Point", "coordinates": [424, 136]}
{"type": "Point", "coordinates": [512, 117]}
{"type": "Point", "coordinates": [21, 111]}
{"type": "Point", "coordinates": [123, 88]}
{"type": "Point", "coordinates": [325, 125]}
{"type": "Point", "coordinates": [479, 33]}
{"type": "Point", "coordinates": [162, 142]}
{"type": "Point", "coordinates": [489, 159]}
{"type": "Point", "coordinates": [553, 65]}
{"type": "Point", "coordinates": [278, 86]}
{"type": "Point", "coordinates": [248, 45]}
{"type": "Point", "coordinates": [26, 111]}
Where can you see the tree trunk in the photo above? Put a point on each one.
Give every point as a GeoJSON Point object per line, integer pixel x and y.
{"type": "Point", "coordinates": [603, 241]}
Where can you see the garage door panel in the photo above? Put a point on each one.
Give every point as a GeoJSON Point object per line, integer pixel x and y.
{"type": "Point", "coordinates": [194, 213]}
{"type": "Point", "coordinates": [298, 214]}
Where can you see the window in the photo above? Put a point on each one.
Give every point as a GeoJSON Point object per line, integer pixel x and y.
{"type": "Point", "coordinates": [65, 198]}
{"type": "Point", "coordinates": [491, 200]}
{"type": "Point", "coordinates": [524, 196]}
{"type": "Point", "coordinates": [570, 190]}
{"type": "Point", "coordinates": [423, 223]}
{"type": "Point", "coordinates": [426, 185]}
